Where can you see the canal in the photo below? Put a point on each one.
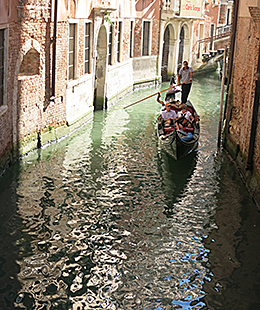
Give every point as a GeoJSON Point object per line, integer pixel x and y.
{"type": "Point", "coordinates": [104, 219]}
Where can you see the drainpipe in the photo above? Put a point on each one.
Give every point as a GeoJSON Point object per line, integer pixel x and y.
{"type": "Point", "coordinates": [159, 35]}
{"type": "Point", "coordinates": [254, 118]}
{"type": "Point", "coordinates": [54, 40]}
{"type": "Point", "coordinates": [232, 48]}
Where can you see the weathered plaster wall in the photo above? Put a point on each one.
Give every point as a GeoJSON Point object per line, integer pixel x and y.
{"type": "Point", "coordinates": [119, 78]}
{"type": "Point", "coordinates": [144, 68]}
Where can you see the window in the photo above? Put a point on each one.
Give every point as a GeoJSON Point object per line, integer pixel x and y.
{"type": "Point", "coordinates": [131, 39]}
{"type": "Point", "coordinates": [2, 65]}
{"type": "Point", "coordinates": [146, 38]}
{"type": "Point", "coordinates": [212, 28]}
{"type": "Point", "coordinates": [228, 16]}
{"type": "Point", "coordinates": [119, 40]}
{"type": "Point", "coordinates": [72, 50]}
{"type": "Point", "coordinates": [87, 49]}
{"type": "Point", "coordinates": [110, 45]}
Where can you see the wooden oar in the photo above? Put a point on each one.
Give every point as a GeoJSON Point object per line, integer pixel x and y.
{"type": "Point", "coordinates": [153, 95]}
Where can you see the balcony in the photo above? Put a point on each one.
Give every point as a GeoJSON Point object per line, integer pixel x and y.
{"type": "Point", "coordinates": [170, 8]}
{"type": "Point", "coordinates": [223, 29]}
{"type": "Point", "coordinates": [104, 7]}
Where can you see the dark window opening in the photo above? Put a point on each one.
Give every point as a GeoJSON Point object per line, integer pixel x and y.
{"type": "Point", "coordinates": [119, 40]}
{"type": "Point", "coordinates": [131, 39]}
{"type": "Point", "coordinates": [228, 15]}
{"type": "Point", "coordinates": [146, 37]}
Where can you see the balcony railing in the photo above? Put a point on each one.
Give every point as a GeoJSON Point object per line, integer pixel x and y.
{"type": "Point", "coordinates": [223, 29]}
{"type": "Point", "coordinates": [171, 6]}
{"type": "Point", "coordinates": [167, 5]}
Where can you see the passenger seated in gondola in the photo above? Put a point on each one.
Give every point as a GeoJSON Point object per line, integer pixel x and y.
{"type": "Point", "coordinates": [168, 116]}
{"type": "Point", "coordinates": [170, 97]}
{"type": "Point", "coordinates": [184, 118]}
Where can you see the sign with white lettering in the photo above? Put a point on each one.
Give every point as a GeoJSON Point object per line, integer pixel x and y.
{"type": "Point", "coordinates": [191, 8]}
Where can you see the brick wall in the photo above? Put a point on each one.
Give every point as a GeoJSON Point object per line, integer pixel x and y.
{"type": "Point", "coordinates": [55, 112]}
{"type": "Point", "coordinates": [155, 37]}
{"type": "Point", "coordinates": [138, 38]}
{"type": "Point", "coordinates": [125, 40]}
{"type": "Point", "coordinates": [34, 109]}
{"type": "Point", "coordinates": [241, 98]}
{"type": "Point", "coordinates": [223, 14]}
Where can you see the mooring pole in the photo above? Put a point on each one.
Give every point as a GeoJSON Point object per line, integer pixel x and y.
{"type": "Point", "coordinates": [222, 95]}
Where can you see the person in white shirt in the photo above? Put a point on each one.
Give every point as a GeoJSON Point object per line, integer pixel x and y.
{"type": "Point", "coordinates": [185, 76]}
{"type": "Point", "coordinates": [168, 115]}
{"type": "Point", "coordinates": [184, 118]}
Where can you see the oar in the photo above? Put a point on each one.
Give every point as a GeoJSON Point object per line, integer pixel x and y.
{"type": "Point", "coordinates": [153, 95]}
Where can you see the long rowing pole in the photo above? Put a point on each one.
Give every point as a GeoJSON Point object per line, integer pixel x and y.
{"type": "Point", "coordinates": [153, 95]}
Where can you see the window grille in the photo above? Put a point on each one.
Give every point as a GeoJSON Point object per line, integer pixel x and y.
{"type": "Point", "coordinates": [110, 45]}
{"type": "Point", "coordinates": [87, 48]}
{"type": "Point", "coordinates": [72, 45]}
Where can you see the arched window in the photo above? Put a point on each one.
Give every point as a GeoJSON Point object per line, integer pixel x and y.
{"type": "Point", "coordinates": [30, 64]}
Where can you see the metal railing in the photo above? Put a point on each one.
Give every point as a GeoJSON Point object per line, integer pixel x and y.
{"type": "Point", "coordinates": [223, 29]}
{"type": "Point", "coordinates": [208, 41]}
{"type": "Point", "coordinates": [171, 5]}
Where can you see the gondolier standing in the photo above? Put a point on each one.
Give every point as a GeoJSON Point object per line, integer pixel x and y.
{"type": "Point", "coordinates": [185, 75]}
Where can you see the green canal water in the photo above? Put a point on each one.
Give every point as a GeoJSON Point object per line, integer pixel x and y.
{"type": "Point", "coordinates": [104, 219]}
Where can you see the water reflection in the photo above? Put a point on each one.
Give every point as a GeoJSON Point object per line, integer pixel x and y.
{"type": "Point", "coordinates": [103, 221]}
{"type": "Point", "coordinates": [175, 175]}
{"type": "Point", "coordinates": [9, 235]}
{"type": "Point", "coordinates": [233, 256]}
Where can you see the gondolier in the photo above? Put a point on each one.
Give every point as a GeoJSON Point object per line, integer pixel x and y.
{"type": "Point", "coordinates": [185, 75]}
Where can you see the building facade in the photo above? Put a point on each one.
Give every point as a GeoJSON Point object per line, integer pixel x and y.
{"type": "Point", "coordinates": [60, 60]}
{"type": "Point", "coordinates": [242, 126]}
{"type": "Point", "coordinates": [190, 29]}
{"type": "Point", "coordinates": [176, 28]}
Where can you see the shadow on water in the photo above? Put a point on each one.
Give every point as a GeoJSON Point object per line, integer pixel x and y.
{"type": "Point", "coordinates": [9, 234]}
{"type": "Point", "coordinates": [175, 175]}
{"type": "Point", "coordinates": [233, 265]}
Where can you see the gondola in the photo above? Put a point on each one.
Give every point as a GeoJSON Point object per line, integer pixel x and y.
{"type": "Point", "coordinates": [180, 143]}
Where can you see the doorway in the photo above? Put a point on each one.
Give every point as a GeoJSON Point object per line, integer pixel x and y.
{"type": "Point", "coordinates": [165, 55]}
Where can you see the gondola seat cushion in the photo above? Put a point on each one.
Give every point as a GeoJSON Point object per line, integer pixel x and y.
{"type": "Point", "coordinates": [168, 130]}
{"type": "Point", "coordinates": [188, 129]}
